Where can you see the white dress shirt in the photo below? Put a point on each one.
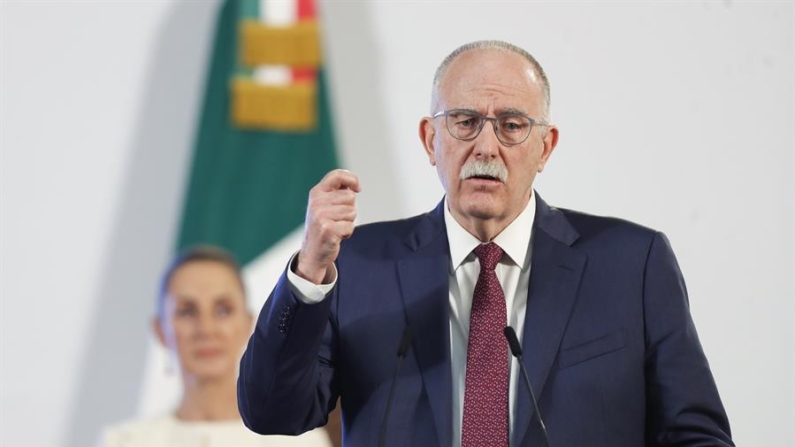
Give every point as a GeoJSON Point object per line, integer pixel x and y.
{"type": "Point", "coordinates": [513, 272]}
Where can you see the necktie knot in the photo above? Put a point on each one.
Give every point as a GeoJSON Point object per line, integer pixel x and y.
{"type": "Point", "coordinates": [488, 255]}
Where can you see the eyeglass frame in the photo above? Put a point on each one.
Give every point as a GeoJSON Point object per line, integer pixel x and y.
{"type": "Point", "coordinates": [494, 123]}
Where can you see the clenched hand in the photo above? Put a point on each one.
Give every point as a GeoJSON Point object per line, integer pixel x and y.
{"type": "Point", "coordinates": [329, 219]}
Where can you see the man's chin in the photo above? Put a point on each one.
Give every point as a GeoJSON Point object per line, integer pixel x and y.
{"type": "Point", "coordinates": [482, 211]}
{"type": "Point", "coordinates": [478, 205]}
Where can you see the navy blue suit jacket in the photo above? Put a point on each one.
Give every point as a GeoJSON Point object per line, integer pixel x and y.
{"type": "Point", "coordinates": [608, 340]}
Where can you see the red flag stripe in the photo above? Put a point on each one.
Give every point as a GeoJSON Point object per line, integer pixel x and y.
{"type": "Point", "coordinates": [306, 11]}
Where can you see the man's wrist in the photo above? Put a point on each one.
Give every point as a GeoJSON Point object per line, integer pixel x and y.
{"type": "Point", "coordinates": [305, 290]}
{"type": "Point", "coordinates": [315, 275]}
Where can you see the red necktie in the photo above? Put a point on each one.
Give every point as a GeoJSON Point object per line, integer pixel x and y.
{"type": "Point", "coordinates": [486, 391]}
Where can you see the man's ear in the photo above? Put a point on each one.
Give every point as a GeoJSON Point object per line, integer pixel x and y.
{"type": "Point", "coordinates": [550, 141]}
{"type": "Point", "coordinates": [427, 134]}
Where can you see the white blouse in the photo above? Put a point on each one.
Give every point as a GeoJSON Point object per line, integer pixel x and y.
{"type": "Point", "coordinates": [168, 431]}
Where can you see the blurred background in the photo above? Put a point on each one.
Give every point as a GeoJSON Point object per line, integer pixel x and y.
{"type": "Point", "coordinates": [677, 115]}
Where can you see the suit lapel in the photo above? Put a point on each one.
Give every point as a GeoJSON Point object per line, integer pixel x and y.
{"type": "Point", "coordinates": [425, 289]}
{"type": "Point", "coordinates": [556, 269]}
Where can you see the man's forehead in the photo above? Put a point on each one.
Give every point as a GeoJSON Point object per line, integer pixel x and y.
{"type": "Point", "coordinates": [483, 72]}
{"type": "Point", "coordinates": [499, 96]}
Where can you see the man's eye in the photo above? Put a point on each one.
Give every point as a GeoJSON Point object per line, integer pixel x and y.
{"type": "Point", "coordinates": [466, 121]}
{"type": "Point", "coordinates": [512, 124]}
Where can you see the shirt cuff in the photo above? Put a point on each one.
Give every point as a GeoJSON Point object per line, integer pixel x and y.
{"type": "Point", "coordinates": [307, 291]}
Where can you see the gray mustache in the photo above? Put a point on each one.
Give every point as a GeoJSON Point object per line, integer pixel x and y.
{"type": "Point", "coordinates": [479, 168]}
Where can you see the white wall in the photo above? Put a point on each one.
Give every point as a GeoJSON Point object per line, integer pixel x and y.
{"type": "Point", "coordinates": [676, 115]}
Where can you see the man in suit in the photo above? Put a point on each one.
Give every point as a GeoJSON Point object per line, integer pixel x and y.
{"type": "Point", "coordinates": [599, 303]}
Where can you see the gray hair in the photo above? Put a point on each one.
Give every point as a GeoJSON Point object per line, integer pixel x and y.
{"type": "Point", "coordinates": [497, 45]}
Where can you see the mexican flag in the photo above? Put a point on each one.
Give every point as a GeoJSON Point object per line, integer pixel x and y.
{"type": "Point", "coordinates": [264, 138]}
{"type": "Point", "coordinates": [265, 133]}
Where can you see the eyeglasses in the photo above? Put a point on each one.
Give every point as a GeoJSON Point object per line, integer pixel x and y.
{"type": "Point", "coordinates": [511, 128]}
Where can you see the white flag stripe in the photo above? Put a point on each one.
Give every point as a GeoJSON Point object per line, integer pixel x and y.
{"type": "Point", "coordinates": [273, 75]}
{"type": "Point", "coordinates": [276, 13]}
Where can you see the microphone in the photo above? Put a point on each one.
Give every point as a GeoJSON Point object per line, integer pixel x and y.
{"type": "Point", "coordinates": [516, 350]}
{"type": "Point", "coordinates": [403, 349]}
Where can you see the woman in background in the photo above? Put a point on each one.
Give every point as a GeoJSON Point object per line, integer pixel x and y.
{"type": "Point", "coordinates": [202, 318]}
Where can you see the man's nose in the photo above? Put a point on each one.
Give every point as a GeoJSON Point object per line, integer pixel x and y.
{"type": "Point", "coordinates": [487, 145]}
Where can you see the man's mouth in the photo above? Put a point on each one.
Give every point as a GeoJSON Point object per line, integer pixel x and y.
{"type": "Point", "coordinates": [484, 177]}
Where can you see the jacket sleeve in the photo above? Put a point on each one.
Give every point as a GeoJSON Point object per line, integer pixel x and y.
{"type": "Point", "coordinates": [286, 383]}
{"type": "Point", "coordinates": [683, 405]}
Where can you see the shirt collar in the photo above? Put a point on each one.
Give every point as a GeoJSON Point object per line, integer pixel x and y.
{"type": "Point", "coordinates": [514, 239]}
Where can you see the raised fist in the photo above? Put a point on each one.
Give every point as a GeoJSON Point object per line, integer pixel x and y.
{"type": "Point", "coordinates": [330, 213]}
